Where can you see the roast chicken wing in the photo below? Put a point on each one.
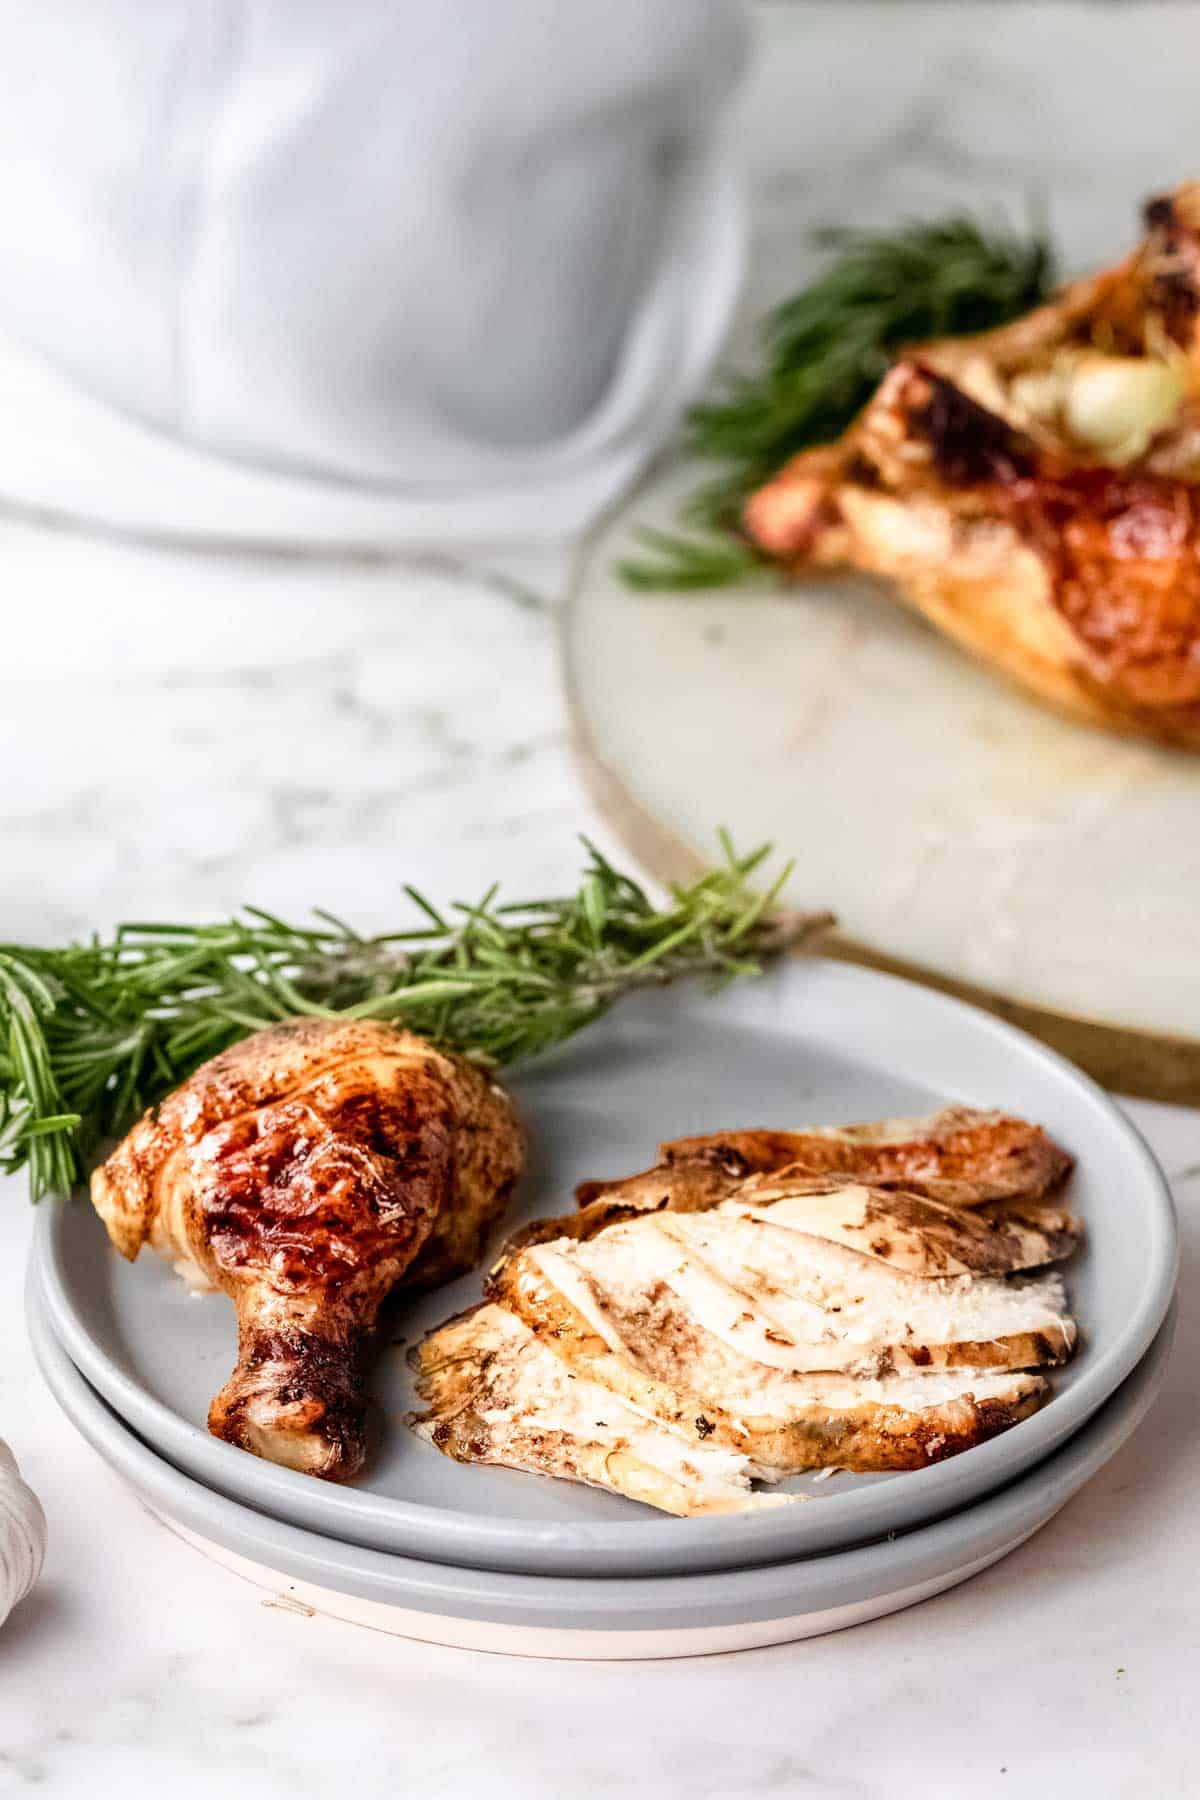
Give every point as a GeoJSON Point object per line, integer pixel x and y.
{"type": "Point", "coordinates": [1035, 491]}
{"type": "Point", "coordinates": [306, 1172]}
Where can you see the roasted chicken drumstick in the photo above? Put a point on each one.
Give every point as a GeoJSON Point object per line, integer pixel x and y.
{"type": "Point", "coordinates": [306, 1172]}
{"type": "Point", "coordinates": [1035, 491]}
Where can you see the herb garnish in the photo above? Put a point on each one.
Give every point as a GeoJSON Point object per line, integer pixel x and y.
{"type": "Point", "coordinates": [92, 1034]}
{"type": "Point", "coordinates": [825, 352]}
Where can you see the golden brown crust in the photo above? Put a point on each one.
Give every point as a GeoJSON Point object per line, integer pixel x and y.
{"type": "Point", "coordinates": [892, 1439]}
{"type": "Point", "coordinates": [273, 1065]}
{"type": "Point", "coordinates": [1080, 581]}
{"type": "Point", "coordinates": [958, 1155]}
{"type": "Point", "coordinates": [489, 1157]}
{"type": "Point", "coordinates": [303, 1171]}
{"type": "Point", "coordinates": [319, 1188]}
{"type": "Point", "coordinates": [691, 1183]}
{"type": "Point", "coordinates": [301, 1112]}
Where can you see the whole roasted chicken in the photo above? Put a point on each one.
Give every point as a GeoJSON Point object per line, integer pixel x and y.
{"type": "Point", "coordinates": [1035, 491]}
{"type": "Point", "coordinates": [307, 1172]}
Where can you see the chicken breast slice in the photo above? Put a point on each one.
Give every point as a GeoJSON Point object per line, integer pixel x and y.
{"type": "Point", "coordinates": [497, 1394]}
{"type": "Point", "coordinates": [910, 1232]}
{"type": "Point", "coordinates": [559, 1402]}
{"type": "Point", "coordinates": [790, 1301]}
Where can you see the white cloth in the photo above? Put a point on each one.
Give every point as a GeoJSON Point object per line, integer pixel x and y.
{"type": "Point", "coordinates": [385, 271]}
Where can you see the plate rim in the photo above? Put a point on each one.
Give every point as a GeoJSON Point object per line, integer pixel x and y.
{"type": "Point", "coordinates": [593, 1548]}
{"type": "Point", "coordinates": [642, 1602]}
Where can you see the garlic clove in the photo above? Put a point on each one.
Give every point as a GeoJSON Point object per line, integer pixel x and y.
{"type": "Point", "coordinates": [22, 1534]}
{"type": "Point", "coordinates": [1116, 404]}
{"type": "Point", "coordinates": [1039, 394]}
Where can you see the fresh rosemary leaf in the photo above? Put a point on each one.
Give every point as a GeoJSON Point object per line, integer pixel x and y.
{"type": "Point", "coordinates": [92, 1034]}
{"type": "Point", "coordinates": [824, 353]}
{"type": "Point", "coordinates": [680, 562]}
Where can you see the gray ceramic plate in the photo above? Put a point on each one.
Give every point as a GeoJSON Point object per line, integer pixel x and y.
{"type": "Point", "coordinates": [679, 1614]}
{"type": "Point", "coordinates": [815, 1041]}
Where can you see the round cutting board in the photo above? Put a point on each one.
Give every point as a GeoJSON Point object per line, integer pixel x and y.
{"type": "Point", "coordinates": [962, 833]}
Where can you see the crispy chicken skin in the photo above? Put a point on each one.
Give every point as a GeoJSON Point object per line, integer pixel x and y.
{"type": "Point", "coordinates": [959, 1155]}
{"type": "Point", "coordinates": [306, 1172]}
{"type": "Point", "coordinates": [970, 481]}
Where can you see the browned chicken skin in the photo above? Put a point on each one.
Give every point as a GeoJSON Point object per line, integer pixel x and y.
{"type": "Point", "coordinates": [958, 1156]}
{"type": "Point", "coordinates": [1070, 561]}
{"type": "Point", "coordinates": [306, 1172]}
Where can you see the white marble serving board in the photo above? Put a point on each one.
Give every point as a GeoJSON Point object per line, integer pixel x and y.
{"type": "Point", "coordinates": [949, 821]}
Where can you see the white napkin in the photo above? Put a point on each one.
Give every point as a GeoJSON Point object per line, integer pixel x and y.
{"type": "Point", "coordinates": [380, 272]}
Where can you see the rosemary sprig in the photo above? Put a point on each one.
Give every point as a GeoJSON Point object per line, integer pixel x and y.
{"type": "Point", "coordinates": [825, 351]}
{"type": "Point", "coordinates": [680, 562]}
{"type": "Point", "coordinates": [92, 1034]}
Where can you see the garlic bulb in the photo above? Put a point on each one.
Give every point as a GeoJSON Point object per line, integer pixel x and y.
{"type": "Point", "coordinates": [22, 1534]}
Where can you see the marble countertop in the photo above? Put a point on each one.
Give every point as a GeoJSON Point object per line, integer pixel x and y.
{"type": "Point", "coordinates": [182, 732]}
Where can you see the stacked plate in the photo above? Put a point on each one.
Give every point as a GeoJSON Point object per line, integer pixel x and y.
{"type": "Point", "coordinates": [493, 1559]}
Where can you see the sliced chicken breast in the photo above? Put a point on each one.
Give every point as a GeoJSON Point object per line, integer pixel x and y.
{"type": "Point", "coordinates": [567, 1405]}
{"type": "Point", "coordinates": [496, 1394]}
{"type": "Point", "coordinates": [785, 1299]}
{"type": "Point", "coordinates": [731, 1302]}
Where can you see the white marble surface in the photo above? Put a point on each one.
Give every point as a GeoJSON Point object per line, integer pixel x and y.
{"type": "Point", "coordinates": [179, 733]}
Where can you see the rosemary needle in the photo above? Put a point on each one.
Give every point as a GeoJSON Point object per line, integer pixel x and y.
{"type": "Point", "coordinates": [824, 352]}
{"type": "Point", "coordinates": [93, 1033]}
